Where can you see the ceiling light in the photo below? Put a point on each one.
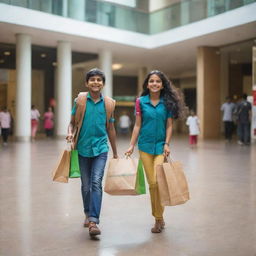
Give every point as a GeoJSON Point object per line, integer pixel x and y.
{"type": "Point", "coordinates": [117, 66]}
{"type": "Point", "coordinates": [43, 55]}
{"type": "Point", "coordinates": [7, 53]}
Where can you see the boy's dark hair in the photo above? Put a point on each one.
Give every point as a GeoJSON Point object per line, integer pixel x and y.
{"type": "Point", "coordinates": [244, 96]}
{"type": "Point", "coordinates": [95, 72]}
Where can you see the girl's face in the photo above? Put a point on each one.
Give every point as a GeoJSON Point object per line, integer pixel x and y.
{"type": "Point", "coordinates": [154, 84]}
{"type": "Point", "coordinates": [95, 84]}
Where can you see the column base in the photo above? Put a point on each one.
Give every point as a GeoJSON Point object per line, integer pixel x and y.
{"type": "Point", "coordinates": [22, 138]}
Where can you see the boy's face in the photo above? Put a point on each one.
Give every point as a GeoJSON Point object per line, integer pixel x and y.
{"type": "Point", "coordinates": [95, 84]}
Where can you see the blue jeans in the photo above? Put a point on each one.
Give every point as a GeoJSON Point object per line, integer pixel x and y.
{"type": "Point", "coordinates": [92, 171]}
{"type": "Point", "coordinates": [244, 130]}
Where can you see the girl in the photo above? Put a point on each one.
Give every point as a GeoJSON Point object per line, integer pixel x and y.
{"type": "Point", "coordinates": [35, 115]}
{"type": "Point", "coordinates": [158, 105]}
{"type": "Point", "coordinates": [193, 125]}
{"type": "Point", "coordinates": [48, 122]}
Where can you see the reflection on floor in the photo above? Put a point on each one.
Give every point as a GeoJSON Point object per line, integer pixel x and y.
{"type": "Point", "coordinates": [42, 218]}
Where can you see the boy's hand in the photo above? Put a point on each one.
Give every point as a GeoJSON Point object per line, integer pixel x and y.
{"type": "Point", "coordinates": [115, 156]}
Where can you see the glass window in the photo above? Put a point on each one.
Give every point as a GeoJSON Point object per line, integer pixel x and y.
{"type": "Point", "coordinates": [22, 3]}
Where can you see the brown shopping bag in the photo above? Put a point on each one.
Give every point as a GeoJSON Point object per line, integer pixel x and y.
{"type": "Point", "coordinates": [172, 183]}
{"type": "Point", "coordinates": [125, 176]}
{"type": "Point", "coordinates": [61, 173]}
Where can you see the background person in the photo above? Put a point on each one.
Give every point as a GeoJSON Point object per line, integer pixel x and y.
{"type": "Point", "coordinates": [48, 122]}
{"type": "Point", "coordinates": [5, 124]}
{"type": "Point", "coordinates": [228, 109]}
{"type": "Point", "coordinates": [35, 115]}
{"type": "Point", "coordinates": [243, 113]}
{"type": "Point", "coordinates": [194, 130]}
{"type": "Point", "coordinates": [158, 105]}
{"type": "Point", "coordinates": [124, 123]}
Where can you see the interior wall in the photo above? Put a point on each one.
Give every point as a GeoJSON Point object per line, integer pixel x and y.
{"type": "Point", "coordinates": [235, 80]}
{"type": "Point", "coordinates": [125, 86]}
{"type": "Point", "coordinates": [78, 82]}
{"type": "Point", "coordinates": [38, 93]}
{"type": "Point", "coordinates": [208, 92]}
{"type": "Point", "coordinates": [247, 85]}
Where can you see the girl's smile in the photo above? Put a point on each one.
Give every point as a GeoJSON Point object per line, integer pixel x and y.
{"type": "Point", "coordinates": [155, 84]}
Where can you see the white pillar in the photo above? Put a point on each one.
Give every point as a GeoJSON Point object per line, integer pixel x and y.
{"type": "Point", "coordinates": [77, 9]}
{"type": "Point", "coordinates": [105, 58]}
{"type": "Point", "coordinates": [23, 92]}
{"type": "Point", "coordinates": [64, 88]}
{"type": "Point", "coordinates": [142, 72]}
{"type": "Point", "coordinates": [224, 76]}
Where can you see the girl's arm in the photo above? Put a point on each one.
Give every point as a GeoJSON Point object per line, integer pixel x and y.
{"type": "Point", "coordinates": [168, 137]}
{"type": "Point", "coordinates": [135, 134]}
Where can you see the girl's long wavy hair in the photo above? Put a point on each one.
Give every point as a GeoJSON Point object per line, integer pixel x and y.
{"type": "Point", "coordinates": [173, 98]}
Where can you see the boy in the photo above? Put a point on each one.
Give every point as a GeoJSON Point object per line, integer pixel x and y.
{"type": "Point", "coordinates": [91, 143]}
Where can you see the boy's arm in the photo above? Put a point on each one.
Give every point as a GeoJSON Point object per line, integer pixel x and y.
{"type": "Point", "coordinates": [69, 137]}
{"type": "Point", "coordinates": [112, 138]}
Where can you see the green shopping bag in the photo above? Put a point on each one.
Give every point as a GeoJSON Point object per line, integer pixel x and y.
{"type": "Point", "coordinates": [140, 180]}
{"type": "Point", "coordinates": [74, 171]}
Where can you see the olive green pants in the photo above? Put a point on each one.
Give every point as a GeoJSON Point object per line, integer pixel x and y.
{"type": "Point", "coordinates": [149, 162]}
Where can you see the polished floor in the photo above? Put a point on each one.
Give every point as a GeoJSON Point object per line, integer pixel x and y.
{"type": "Point", "coordinates": [42, 218]}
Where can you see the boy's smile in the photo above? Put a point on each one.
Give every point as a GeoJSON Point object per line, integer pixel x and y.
{"type": "Point", "coordinates": [95, 84]}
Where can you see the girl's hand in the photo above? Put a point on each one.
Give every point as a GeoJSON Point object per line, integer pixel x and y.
{"type": "Point", "coordinates": [129, 151]}
{"type": "Point", "coordinates": [166, 150]}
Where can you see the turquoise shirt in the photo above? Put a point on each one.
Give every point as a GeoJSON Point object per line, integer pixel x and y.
{"type": "Point", "coordinates": [92, 140]}
{"type": "Point", "coordinates": [153, 128]}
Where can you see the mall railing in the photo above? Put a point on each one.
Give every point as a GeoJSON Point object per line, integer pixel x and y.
{"type": "Point", "coordinates": [132, 19]}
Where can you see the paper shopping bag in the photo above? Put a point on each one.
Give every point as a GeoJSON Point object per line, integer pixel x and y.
{"type": "Point", "coordinates": [61, 173]}
{"type": "Point", "coordinates": [172, 183]}
{"type": "Point", "coordinates": [74, 171]}
{"type": "Point", "coordinates": [125, 176]}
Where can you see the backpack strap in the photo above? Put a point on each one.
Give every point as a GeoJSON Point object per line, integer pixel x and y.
{"type": "Point", "coordinates": [81, 101]}
{"type": "Point", "coordinates": [110, 107]}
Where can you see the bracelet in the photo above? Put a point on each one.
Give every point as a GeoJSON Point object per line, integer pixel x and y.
{"type": "Point", "coordinates": [166, 143]}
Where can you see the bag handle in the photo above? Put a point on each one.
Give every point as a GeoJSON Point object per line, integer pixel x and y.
{"type": "Point", "coordinates": [168, 159]}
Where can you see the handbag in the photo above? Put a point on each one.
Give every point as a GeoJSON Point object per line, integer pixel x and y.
{"type": "Point", "coordinates": [74, 171]}
{"type": "Point", "coordinates": [172, 183]}
{"type": "Point", "coordinates": [61, 172]}
{"type": "Point", "coordinates": [125, 176]}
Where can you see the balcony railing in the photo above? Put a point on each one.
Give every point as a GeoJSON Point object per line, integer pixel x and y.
{"type": "Point", "coordinates": [132, 19]}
